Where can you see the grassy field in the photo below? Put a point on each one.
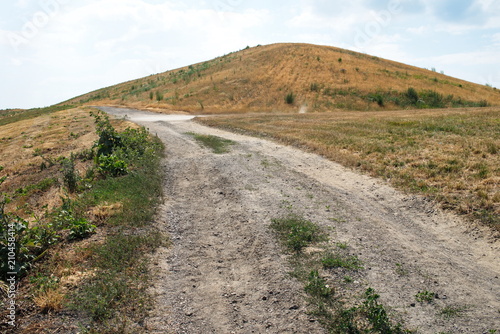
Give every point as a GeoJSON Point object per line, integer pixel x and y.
{"type": "Point", "coordinates": [452, 156]}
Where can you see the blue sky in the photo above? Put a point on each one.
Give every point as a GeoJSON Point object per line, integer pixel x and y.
{"type": "Point", "coordinates": [52, 50]}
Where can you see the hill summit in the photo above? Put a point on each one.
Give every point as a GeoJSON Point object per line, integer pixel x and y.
{"type": "Point", "coordinates": [291, 78]}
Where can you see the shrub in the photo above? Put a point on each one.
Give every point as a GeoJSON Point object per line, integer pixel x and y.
{"type": "Point", "coordinates": [111, 165]}
{"type": "Point", "coordinates": [109, 139]}
{"type": "Point", "coordinates": [159, 96]}
{"type": "Point", "coordinates": [412, 95]}
{"type": "Point", "coordinates": [290, 98]}
{"type": "Point", "coordinates": [70, 175]}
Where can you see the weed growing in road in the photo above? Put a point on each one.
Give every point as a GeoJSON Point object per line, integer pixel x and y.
{"type": "Point", "coordinates": [425, 296]}
{"type": "Point", "coordinates": [217, 144]}
{"type": "Point", "coordinates": [297, 233]}
{"type": "Point", "coordinates": [449, 312]}
{"type": "Point", "coordinates": [334, 260]}
{"type": "Point", "coordinates": [367, 316]}
{"type": "Point", "coordinates": [316, 286]}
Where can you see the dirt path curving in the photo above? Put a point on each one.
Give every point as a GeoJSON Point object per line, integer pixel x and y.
{"type": "Point", "coordinates": [225, 272]}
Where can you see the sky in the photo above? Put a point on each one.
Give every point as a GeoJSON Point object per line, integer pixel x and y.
{"type": "Point", "coordinates": [53, 50]}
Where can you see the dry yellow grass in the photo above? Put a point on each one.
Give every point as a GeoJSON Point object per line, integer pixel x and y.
{"type": "Point", "coordinates": [450, 155]}
{"type": "Point", "coordinates": [31, 151]}
{"type": "Point", "coordinates": [322, 78]}
{"type": "Point", "coordinates": [50, 300]}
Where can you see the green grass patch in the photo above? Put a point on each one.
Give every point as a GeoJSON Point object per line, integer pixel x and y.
{"type": "Point", "coordinates": [452, 311]}
{"type": "Point", "coordinates": [217, 144]}
{"type": "Point", "coordinates": [335, 260]}
{"type": "Point", "coordinates": [121, 276]}
{"type": "Point", "coordinates": [297, 233]}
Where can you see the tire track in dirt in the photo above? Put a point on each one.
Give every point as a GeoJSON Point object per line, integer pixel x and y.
{"type": "Point", "coordinates": [225, 273]}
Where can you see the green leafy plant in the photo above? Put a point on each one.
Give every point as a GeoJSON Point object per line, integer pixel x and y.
{"type": "Point", "coordinates": [81, 229]}
{"type": "Point", "coordinates": [425, 296]}
{"type": "Point", "coordinates": [109, 140]}
{"type": "Point", "coordinates": [14, 242]}
{"type": "Point", "coordinates": [111, 165]}
{"type": "Point", "coordinates": [377, 315]}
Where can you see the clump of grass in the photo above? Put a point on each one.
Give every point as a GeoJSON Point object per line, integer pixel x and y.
{"type": "Point", "coordinates": [297, 233]}
{"type": "Point", "coordinates": [316, 286]}
{"type": "Point", "coordinates": [217, 144]}
{"type": "Point", "coordinates": [334, 260]}
{"type": "Point", "coordinates": [451, 311]}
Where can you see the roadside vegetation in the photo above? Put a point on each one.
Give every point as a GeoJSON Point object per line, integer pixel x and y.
{"type": "Point", "coordinates": [84, 255]}
{"type": "Point", "coordinates": [450, 156]}
{"type": "Point", "coordinates": [314, 260]}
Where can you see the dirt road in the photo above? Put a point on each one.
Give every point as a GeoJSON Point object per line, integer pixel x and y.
{"type": "Point", "coordinates": [225, 272]}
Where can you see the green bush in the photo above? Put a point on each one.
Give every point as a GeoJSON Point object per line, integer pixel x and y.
{"type": "Point", "coordinates": [109, 140]}
{"type": "Point", "coordinates": [111, 165]}
{"type": "Point", "coordinates": [290, 98]}
{"type": "Point", "coordinates": [412, 95]}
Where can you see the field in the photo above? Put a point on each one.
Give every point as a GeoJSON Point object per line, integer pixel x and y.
{"type": "Point", "coordinates": [451, 155]}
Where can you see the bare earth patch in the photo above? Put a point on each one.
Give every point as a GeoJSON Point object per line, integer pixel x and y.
{"type": "Point", "coordinates": [226, 273]}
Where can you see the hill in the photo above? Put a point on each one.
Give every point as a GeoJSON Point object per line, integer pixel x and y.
{"type": "Point", "coordinates": [292, 77]}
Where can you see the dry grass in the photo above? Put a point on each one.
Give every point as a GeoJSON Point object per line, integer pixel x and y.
{"type": "Point", "coordinates": [450, 155]}
{"type": "Point", "coordinates": [31, 151]}
{"type": "Point", "coordinates": [50, 300]}
{"type": "Point", "coordinates": [258, 79]}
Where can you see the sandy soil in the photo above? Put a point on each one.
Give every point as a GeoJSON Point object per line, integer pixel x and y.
{"type": "Point", "coordinates": [225, 272]}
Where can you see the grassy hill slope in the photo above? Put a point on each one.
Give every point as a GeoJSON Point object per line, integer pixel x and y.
{"type": "Point", "coordinates": [293, 77]}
